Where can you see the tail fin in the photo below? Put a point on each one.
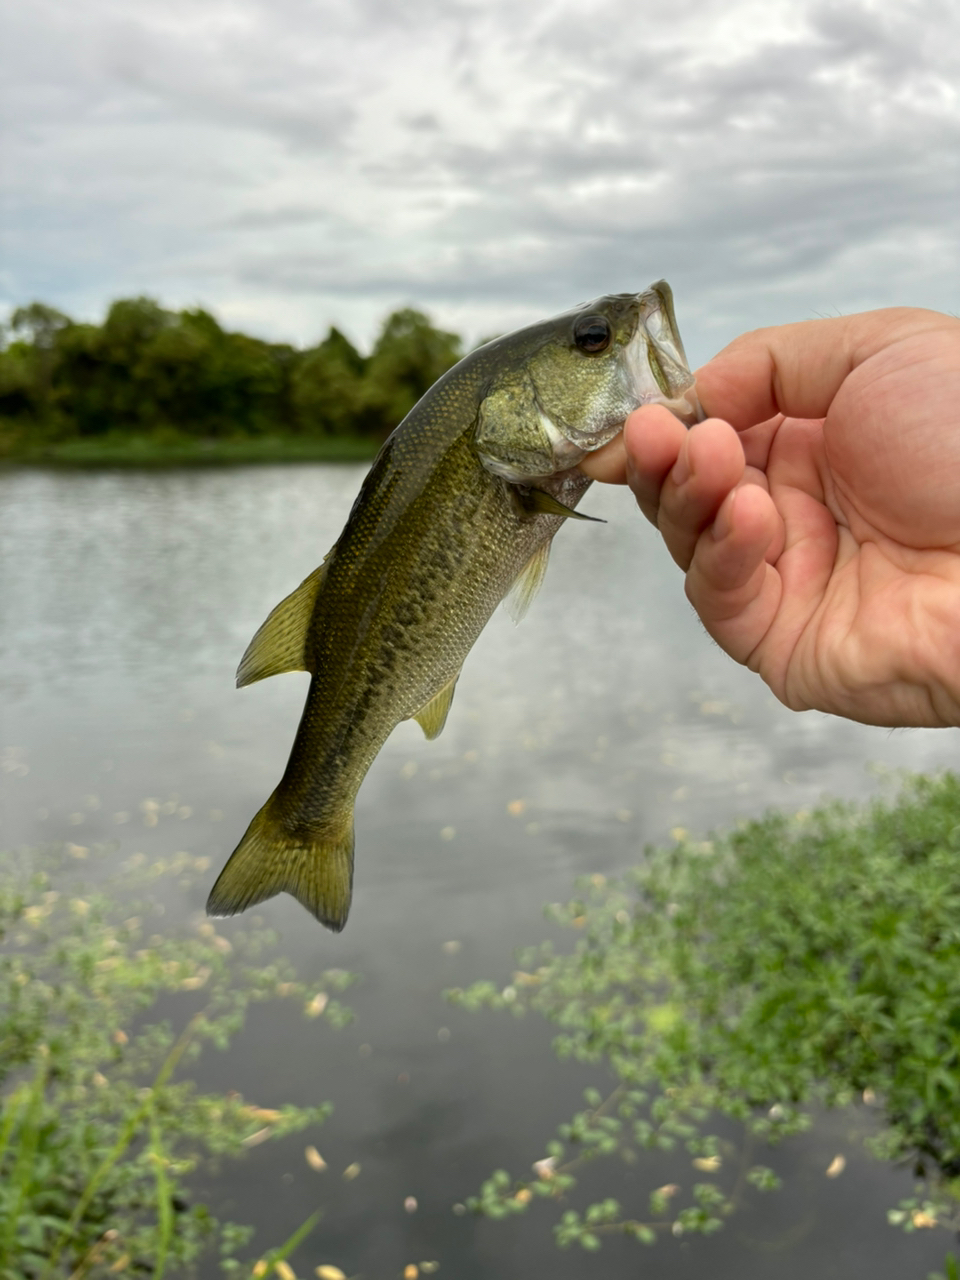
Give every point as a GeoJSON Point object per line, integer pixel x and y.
{"type": "Point", "coordinates": [317, 868]}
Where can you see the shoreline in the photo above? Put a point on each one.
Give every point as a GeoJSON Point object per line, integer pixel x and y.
{"type": "Point", "coordinates": [134, 451]}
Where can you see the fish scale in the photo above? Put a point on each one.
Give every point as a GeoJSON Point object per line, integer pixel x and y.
{"type": "Point", "coordinates": [446, 522]}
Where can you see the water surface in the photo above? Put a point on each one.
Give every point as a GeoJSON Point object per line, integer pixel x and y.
{"type": "Point", "coordinates": [605, 721]}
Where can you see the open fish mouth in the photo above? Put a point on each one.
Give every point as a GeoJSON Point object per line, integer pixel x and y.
{"type": "Point", "coordinates": [655, 361]}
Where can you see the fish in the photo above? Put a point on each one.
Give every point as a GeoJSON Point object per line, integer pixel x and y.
{"type": "Point", "coordinates": [458, 510]}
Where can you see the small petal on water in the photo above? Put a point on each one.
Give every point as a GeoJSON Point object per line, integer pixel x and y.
{"type": "Point", "coordinates": [516, 807]}
{"type": "Point", "coordinates": [284, 1270]}
{"type": "Point", "coordinates": [411, 1271]}
{"type": "Point", "coordinates": [352, 1171]}
{"type": "Point", "coordinates": [836, 1166]}
{"type": "Point", "coordinates": [410, 1204]}
{"type": "Point", "coordinates": [316, 1006]}
{"type": "Point", "coordinates": [451, 948]}
{"type": "Point", "coordinates": [447, 833]}
{"type": "Point", "coordinates": [256, 1138]}
{"type": "Point", "coordinates": [328, 1272]}
{"type": "Point", "coordinates": [314, 1159]}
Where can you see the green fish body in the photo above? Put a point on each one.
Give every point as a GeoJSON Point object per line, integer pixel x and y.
{"type": "Point", "coordinates": [459, 507]}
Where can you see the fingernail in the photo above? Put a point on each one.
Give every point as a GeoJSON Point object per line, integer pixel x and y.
{"type": "Point", "coordinates": [681, 469]}
{"type": "Point", "coordinates": [724, 521]}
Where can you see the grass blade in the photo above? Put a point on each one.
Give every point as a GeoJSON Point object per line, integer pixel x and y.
{"type": "Point", "coordinates": [126, 1137]}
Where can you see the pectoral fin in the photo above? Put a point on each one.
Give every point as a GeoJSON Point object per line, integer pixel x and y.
{"type": "Point", "coordinates": [433, 716]}
{"type": "Point", "coordinates": [280, 644]}
{"type": "Point", "coordinates": [527, 583]}
{"type": "Point", "coordinates": [536, 501]}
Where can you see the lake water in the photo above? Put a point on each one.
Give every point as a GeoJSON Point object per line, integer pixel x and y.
{"type": "Point", "coordinates": [603, 722]}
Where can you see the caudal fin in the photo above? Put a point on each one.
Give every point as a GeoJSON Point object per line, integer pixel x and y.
{"type": "Point", "coordinates": [317, 868]}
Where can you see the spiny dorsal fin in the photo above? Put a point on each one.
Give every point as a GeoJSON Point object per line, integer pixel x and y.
{"type": "Point", "coordinates": [527, 583]}
{"type": "Point", "coordinates": [433, 716]}
{"type": "Point", "coordinates": [280, 643]}
{"type": "Point", "coordinates": [536, 501]}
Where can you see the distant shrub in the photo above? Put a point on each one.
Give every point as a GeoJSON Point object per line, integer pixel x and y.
{"type": "Point", "coordinates": [149, 371]}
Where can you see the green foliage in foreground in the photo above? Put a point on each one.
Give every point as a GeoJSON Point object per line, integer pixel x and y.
{"type": "Point", "coordinates": [797, 961]}
{"type": "Point", "coordinates": [98, 1131]}
{"type": "Point", "coordinates": [174, 379]}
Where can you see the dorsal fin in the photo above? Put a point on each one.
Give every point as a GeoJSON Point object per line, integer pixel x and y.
{"type": "Point", "coordinates": [527, 583]}
{"type": "Point", "coordinates": [280, 643]}
{"type": "Point", "coordinates": [432, 717]}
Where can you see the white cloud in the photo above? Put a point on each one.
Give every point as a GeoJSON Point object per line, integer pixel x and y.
{"type": "Point", "coordinates": [293, 163]}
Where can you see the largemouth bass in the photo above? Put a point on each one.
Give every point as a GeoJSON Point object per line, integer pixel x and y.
{"type": "Point", "coordinates": [459, 507]}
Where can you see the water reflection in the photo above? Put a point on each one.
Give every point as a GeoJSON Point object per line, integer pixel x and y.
{"type": "Point", "coordinates": [605, 721]}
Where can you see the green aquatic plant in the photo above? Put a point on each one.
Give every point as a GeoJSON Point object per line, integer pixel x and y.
{"type": "Point", "coordinates": [793, 963]}
{"type": "Point", "coordinates": [100, 1124]}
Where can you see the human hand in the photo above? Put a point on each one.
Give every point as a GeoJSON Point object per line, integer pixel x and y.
{"type": "Point", "coordinates": [821, 546]}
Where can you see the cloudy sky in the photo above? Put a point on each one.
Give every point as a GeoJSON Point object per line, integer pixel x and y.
{"type": "Point", "coordinates": [296, 163]}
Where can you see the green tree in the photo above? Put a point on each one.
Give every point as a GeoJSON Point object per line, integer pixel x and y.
{"type": "Point", "coordinates": [98, 381]}
{"type": "Point", "coordinates": [408, 358]}
{"type": "Point", "coordinates": [38, 324]}
{"type": "Point", "coordinates": [27, 363]}
{"type": "Point", "coordinates": [327, 387]}
{"type": "Point", "coordinates": [154, 372]}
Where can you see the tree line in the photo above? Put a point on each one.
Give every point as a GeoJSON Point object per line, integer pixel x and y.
{"type": "Point", "coordinates": [151, 371]}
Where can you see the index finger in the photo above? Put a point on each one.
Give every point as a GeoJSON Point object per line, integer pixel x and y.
{"type": "Point", "coordinates": [797, 369]}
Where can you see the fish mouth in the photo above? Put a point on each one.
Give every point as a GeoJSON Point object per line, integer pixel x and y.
{"type": "Point", "coordinates": [655, 361]}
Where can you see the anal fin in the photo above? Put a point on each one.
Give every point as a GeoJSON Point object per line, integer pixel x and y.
{"type": "Point", "coordinates": [433, 716]}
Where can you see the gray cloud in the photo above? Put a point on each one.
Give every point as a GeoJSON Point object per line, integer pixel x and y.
{"type": "Point", "coordinates": [291, 163]}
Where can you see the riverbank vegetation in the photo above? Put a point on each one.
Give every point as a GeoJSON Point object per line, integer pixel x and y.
{"type": "Point", "coordinates": [794, 963]}
{"type": "Point", "coordinates": [151, 385]}
{"type": "Point", "coordinates": [101, 1013]}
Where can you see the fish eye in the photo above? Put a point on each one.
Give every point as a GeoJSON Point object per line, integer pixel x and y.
{"type": "Point", "coordinates": [592, 334]}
